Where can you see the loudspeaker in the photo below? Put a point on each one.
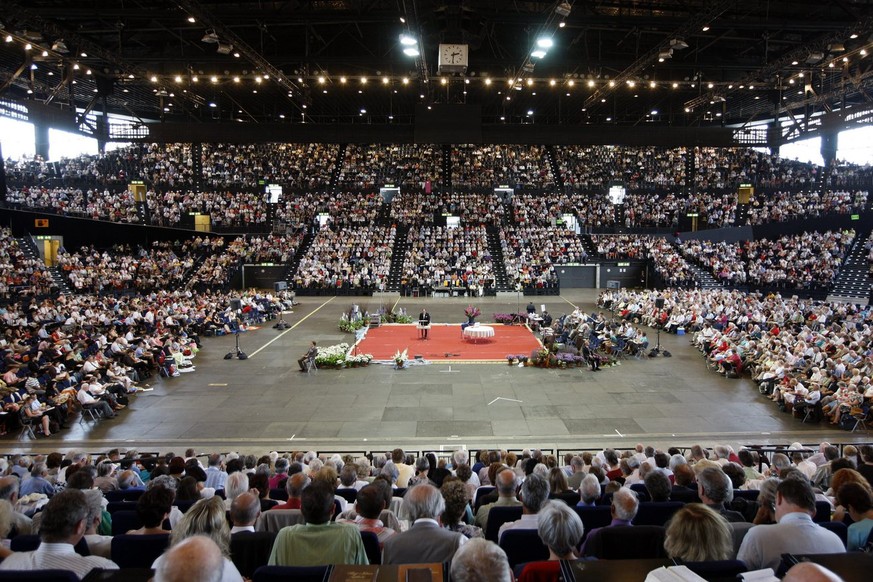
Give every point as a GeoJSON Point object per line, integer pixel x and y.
{"type": "Point", "coordinates": [659, 302]}
{"type": "Point", "coordinates": [235, 304]}
{"type": "Point", "coordinates": [280, 286]}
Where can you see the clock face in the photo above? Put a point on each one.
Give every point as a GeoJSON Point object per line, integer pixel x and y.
{"type": "Point", "coordinates": [453, 54]}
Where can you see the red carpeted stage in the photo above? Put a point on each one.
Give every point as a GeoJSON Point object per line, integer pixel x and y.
{"type": "Point", "coordinates": [445, 343]}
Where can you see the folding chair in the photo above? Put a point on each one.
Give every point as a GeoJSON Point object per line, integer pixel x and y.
{"type": "Point", "coordinates": [311, 366]}
{"type": "Point", "coordinates": [861, 419]}
{"type": "Point", "coordinates": [89, 413]}
{"type": "Point", "coordinates": [26, 425]}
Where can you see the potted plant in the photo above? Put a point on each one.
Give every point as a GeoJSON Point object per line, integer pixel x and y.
{"type": "Point", "coordinates": [401, 359]}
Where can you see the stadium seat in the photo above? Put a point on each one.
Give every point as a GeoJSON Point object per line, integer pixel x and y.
{"type": "Point", "coordinates": [251, 550]}
{"type": "Point", "coordinates": [134, 551]}
{"type": "Point", "coordinates": [838, 528]}
{"type": "Point", "coordinates": [371, 546]}
{"type": "Point", "coordinates": [626, 542]}
{"type": "Point", "coordinates": [523, 545]}
{"type": "Point", "coordinates": [656, 513]}
{"type": "Point", "coordinates": [290, 574]}
{"type": "Point", "coordinates": [39, 575]}
{"type": "Point", "coordinates": [124, 521]}
{"type": "Point", "coordinates": [497, 516]}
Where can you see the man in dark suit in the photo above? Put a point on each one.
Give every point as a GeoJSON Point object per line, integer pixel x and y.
{"type": "Point", "coordinates": [308, 357]}
{"type": "Point", "coordinates": [426, 541]}
{"type": "Point", "coordinates": [249, 548]}
{"type": "Point", "coordinates": [424, 322]}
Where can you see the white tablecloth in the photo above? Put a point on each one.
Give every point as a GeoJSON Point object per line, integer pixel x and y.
{"type": "Point", "coordinates": [478, 331]}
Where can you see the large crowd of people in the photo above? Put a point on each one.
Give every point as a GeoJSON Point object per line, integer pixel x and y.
{"type": "Point", "coordinates": [482, 515]}
{"type": "Point", "coordinates": [370, 167]}
{"type": "Point", "coordinates": [798, 350]}
{"type": "Point", "coordinates": [449, 258]}
{"type": "Point", "coordinates": [531, 254]}
{"type": "Point", "coordinates": [476, 167]}
{"type": "Point", "coordinates": [347, 258]}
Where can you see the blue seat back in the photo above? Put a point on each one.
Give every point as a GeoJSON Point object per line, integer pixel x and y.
{"type": "Point", "coordinates": [132, 551]}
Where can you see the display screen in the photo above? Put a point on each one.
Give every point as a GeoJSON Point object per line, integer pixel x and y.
{"type": "Point", "coordinates": [617, 193]}
{"type": "Point", "coordinates": [274, 191]}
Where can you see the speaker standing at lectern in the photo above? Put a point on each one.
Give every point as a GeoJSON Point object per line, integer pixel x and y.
{"type": "Point", "coordinates": [423, 323]}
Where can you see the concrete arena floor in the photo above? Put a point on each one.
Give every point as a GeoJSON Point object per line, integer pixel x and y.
{"type": "Point", "coordinates": [264, 403]}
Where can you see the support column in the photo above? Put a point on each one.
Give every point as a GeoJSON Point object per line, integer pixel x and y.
{"type": "Point", "coordinates": [41, 135]}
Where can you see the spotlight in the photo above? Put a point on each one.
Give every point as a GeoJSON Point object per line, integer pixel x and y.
{"type": "Point", "coordinates": [224, 48]}
{"type": "Point", "coordinates": [407, 40]}
{"type": "Point", "coordinates": [538, 53]}
{"type": "Point", "coordinates": [210, 37]}
{"type": "Point", "coordinates": [59, 46]}
{"type": "Point", "coordinates": [678, 44]}
{"type": "Point", "coordinates": [545, 42]}
{"type": "Point", "coordinates": [411, 51]}
{"type": "Point", "coordinates": [564, 9]}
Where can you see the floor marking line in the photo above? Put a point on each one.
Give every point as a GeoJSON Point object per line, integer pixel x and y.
{"type": "Point", "coordinates": [393, 307]}
{"type": "Point", "coordinates": [302, 319]}
{"type": "Point", "coordinates": [502, 398]}
{"type": "Point", "coordinates": [568, 301]}
{"type": "Point", "coordinates": [618, 433]}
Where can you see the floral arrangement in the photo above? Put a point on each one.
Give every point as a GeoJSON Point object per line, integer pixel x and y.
{"type": "Point", "coordinates": [472, 311]}
{"type": "Point", "coordinates": [396, 318]}
{"type": "Point", "coordinates": [508, 318]}
{"type": "Point", "coordinates": [337, 356]}
{"type": "Point", "coordinates": [400, 358]}
{"type": "Point", "coordinates": [350, 326]}
{"type": "Point", "coordinates": [359, 360]}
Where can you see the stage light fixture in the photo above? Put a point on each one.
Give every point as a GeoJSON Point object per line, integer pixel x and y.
{"type": "Point", "coordinates": [59, 46]}
{"type": "Point", "coordinates": [407, 40]}
{"type": "Point", "coordinates": [411, 51]}
{"type": "Point", "coordinates": [224, 48]}
{"type": "Point", "coordinates": [678, 44]}
{"type": "Point", "coordinates": [538, 53]}
{"type": "Point", "coordinates": [210, 37]}
{"type": "Point", "coordinates": [545, 42]}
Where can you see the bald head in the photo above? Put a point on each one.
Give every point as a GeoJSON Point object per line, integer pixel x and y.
{"type": "Point", "coordinates": [810, 572]}
{"type": "Point", "coordinates": [505, 483]}
{"type": "Point", "coordinates": [245, 509]}
{"type": "Point", "coordinates": [195, 559]}
{"type": "Point", "coordinates": [9, 488]}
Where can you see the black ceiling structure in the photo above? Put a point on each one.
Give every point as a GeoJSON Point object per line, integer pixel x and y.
{"type": "Point", "coordinates": [623, 64]}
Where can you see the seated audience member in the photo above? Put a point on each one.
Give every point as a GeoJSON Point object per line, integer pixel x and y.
{"type": "Point", "coordinates": [697, 533]}
{"type": "Point", "coordinates": [559, 489]}
{"type": "Point", "coordinates": [623, 510]}
{"type": "Point", "coordinates": [658, 485]}
{"type": "Point", "coordinates": [766, 513]}
{"type": "Point", "coordinates": [236, 484]}
{"type": "Point", "coordinates": [9, 492]}
{"type": "Point", "coordinates": [294, 486]}
{"type": "Point", "coordinates": [319, 541]}
{"type": "Point", "coordinates": [506, 481]}
{"type": "Point", "coordinates": [425, 541]}
{"type": "Point", "coordinates": [37, 482]}
{"type": "Point", "coordinates": [63, 524]}
{"type": "Point", "coordinates": [152, 508]}
{"type": "Point", "coordinates": [370, 504]}
{"type": "Point", "coordinates": [6, 527]}
{"type": "Point", "coordinates": [455, 496]}
{"type": "Point", "coordinates": [195, 559]}
{"type": "Point", "coordinates": [810, 572]}
{"type": "Point", "coordinates": [714, 489]}
{"type": "Point", "coordinates": [534, 495]}
{"type": "Point", "coordinates": [589, 491]}
{"type": "Point", "coordinates": [244, 512]}
{"type": "Point", "coordinates": [859, 505]}
{"type": "Point", "coordinates": [794, 531]}
{"type": "Point", "coordinates": [98, 545]}
{"type": "Point", "coordinates": [480, 560]}
{"type": "Point", "coordinates": [561, 530]}
{"type": "Point", "coordinates": [207, 518]}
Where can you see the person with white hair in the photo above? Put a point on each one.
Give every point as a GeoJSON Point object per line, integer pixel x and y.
{"type": "Point", "coordinates": [426, 541]}
{"type": "Point", "coordinates": [560, 528]}
{"type": "Point", "coordinates": [589, 491]}
{"type": "Point", "coordinates": [461, 457]}
{"type": "Point", "coordinates": [623, 510]}
{"type": "Point", "coordinates": [534, 495]}
{"type": "Point", "coordinates": [480, 560]}
{"type": "Point", "coordinates": [236, 484]}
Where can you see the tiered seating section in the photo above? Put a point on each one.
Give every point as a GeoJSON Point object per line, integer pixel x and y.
{"type": "Point", "coordinates": [643, 486]}
{"type": "Point", "coordinates": [801, 352]}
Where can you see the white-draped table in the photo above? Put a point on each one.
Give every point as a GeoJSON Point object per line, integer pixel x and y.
{"type": "Point", "coordinates": [477, 332]}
